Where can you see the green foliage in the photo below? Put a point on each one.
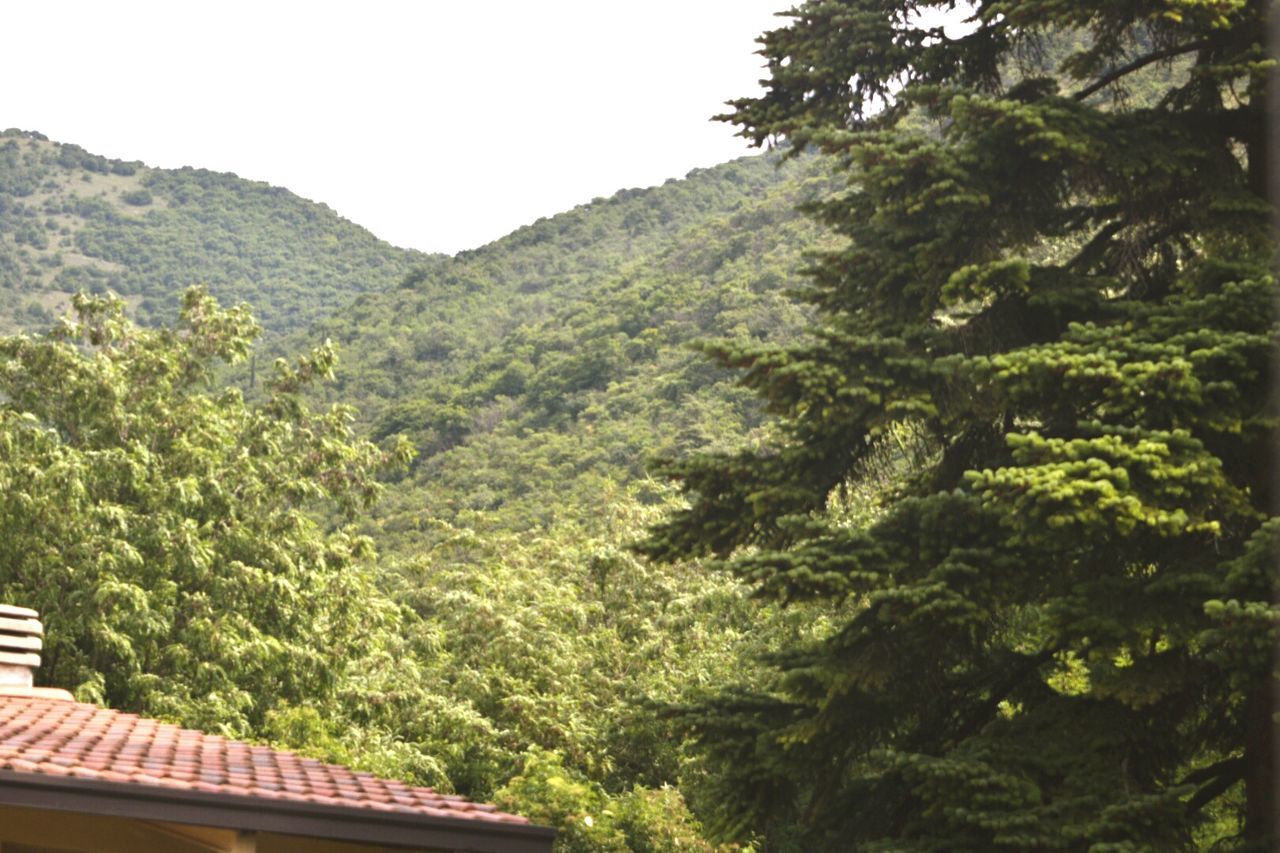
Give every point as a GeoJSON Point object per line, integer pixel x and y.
{"type": "Point", "coordinates": [536, 377]}
{"type": "Point", "coordinates": [553, 796]}
{"type": "Point", "coordinates": [592, 821]}
{"type": "Point", "coordinates": [657, 821]}
{"type": "Point", "coordinates": [1008, 485]}
{"type": "Point", "coordinates": [562, 640]}
{"type": "Point", "coordinates": [1060, 616]}
{"type": "Point", "coordinates": [160, 522]}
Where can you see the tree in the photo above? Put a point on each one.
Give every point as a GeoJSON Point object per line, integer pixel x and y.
{"type": "Point", "coordinates": [1061, 616]}
{"type": "Point", "coordinates": [160, 523]}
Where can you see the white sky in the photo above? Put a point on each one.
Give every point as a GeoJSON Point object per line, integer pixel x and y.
{"type": "Point", "coordinates": [437, 125]}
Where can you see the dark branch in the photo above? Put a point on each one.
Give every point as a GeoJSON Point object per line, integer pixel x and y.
{"type": "Point", "coordinates": [1000, 691]}
{"type": "Point", "coordinates": [1206, 773]}
{"type": "Point", "coordinates": [1141, 62]}
{"type": "Point", "coordinates": [1221, 776]}
{"type": "Point", "coordinates": [1096, 246]}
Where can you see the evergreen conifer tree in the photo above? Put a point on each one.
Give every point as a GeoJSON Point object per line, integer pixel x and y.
{"type": "Point", "coordinates": [1056, 278]}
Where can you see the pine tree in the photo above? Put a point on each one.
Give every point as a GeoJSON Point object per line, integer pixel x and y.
{"type": "Point", "coordinates": [1056, 277]}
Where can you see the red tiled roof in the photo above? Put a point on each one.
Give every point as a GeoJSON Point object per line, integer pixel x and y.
{"type": "Point", "coordinates": [58, 737]}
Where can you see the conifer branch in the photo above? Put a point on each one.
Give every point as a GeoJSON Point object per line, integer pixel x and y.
{"type": "Point", "coordinates": [1096, 246]}
{"type": "Point", "coordinates": [1220, 776]}
{"type": "Point", "coordinates": [1141, 62]}
{"type": "Point", "coordinates": [981, 714]}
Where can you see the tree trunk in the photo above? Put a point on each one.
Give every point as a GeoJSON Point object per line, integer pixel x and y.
{"type": "Point", "coordinates": [1261, 806]}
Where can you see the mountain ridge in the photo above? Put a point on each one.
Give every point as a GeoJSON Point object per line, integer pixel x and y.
{"type": "Point", "coordinates": [573, 328]}
{"type": "Point", "coordinates": [576, 330]}
{"type": "Point", "coordinates": [70, 220]}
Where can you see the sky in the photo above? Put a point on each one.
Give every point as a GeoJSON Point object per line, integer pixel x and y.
{"type": "Point", "coordinates": [438, 126]}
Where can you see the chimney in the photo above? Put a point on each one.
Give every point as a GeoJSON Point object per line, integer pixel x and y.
{"type": "Point", "coordinates": [20, 633]}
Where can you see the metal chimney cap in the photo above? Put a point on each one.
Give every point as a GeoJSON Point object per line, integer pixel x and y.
{"type": "Point", "coordinates": [20, 633]}
{"type": "Point", "coordinates": [27, 627]}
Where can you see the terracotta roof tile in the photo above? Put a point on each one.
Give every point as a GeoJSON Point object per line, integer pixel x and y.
{"type": "Point", "coordinates": [63, 738]}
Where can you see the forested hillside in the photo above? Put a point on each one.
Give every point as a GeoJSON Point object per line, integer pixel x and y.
{"type": "Point", "coordinates": [962, 536]}
{"type": "Point", "coordinates": [71, 220]}
{"type": "Point", "coordinates": [514, 642]}
{"type": "Point", "coordinates": [543, 371]}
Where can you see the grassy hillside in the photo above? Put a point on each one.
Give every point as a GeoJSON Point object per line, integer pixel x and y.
{"type": "Point", "coordinates": [73, 220]}
{"type": "Point", "coordinates": [545, 369]}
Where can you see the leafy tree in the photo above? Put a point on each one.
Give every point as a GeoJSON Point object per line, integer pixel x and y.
{"type": "Point", "coordinates": [557, 638]}
{"type": "Point", "coordinates": [1062, 614]}
{"type": "Point", "coordinates": [161, 524]}
{"type": "Point", "coordinates": [592, 821]}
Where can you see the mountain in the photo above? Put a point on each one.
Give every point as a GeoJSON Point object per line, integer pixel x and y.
{"type": "Point", "coordinates": [74, 220]}
{"type": "Point", "coordinates": [529, 373]}
{"type": "Point", "coordinates": [547, 368]}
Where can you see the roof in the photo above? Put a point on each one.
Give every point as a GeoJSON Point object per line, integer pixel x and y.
{"type": "Point", "coordinates": [48, 740]}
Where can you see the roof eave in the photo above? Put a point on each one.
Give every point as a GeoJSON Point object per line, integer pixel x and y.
{"type": "Point", "coordinates": [261, 814]}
